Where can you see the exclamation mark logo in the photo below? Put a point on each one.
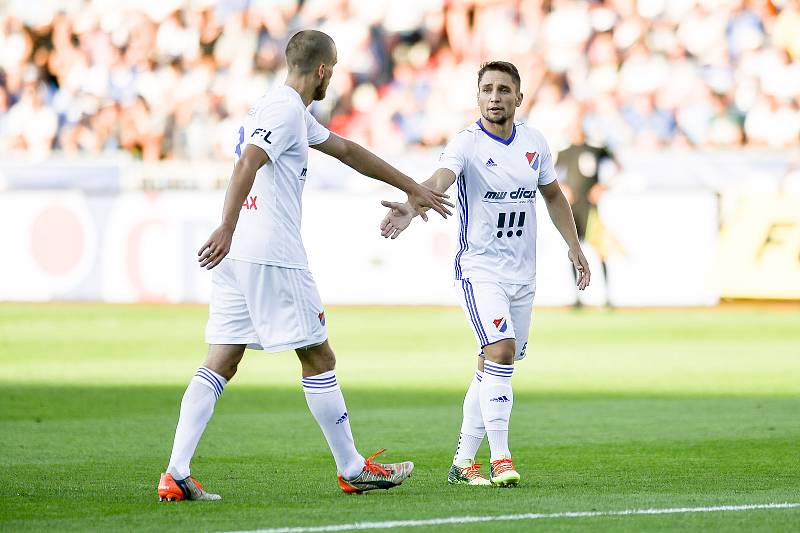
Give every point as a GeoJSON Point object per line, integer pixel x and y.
{"type": "Point", "coordinates": [512, 218]}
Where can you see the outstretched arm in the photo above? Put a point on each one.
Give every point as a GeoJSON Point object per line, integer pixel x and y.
{"type": "Point", "coordinates": [244, 173]}
{"type": "Point", "coordinates": [400, 214]}
{"type": "Point", "coordinates": [362, 160]}
{"type": "Point", "coordinates": [561, 215]}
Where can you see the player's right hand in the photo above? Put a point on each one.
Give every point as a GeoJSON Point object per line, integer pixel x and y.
{"type": "Point", "coordinates": [216, 247]}
{"type": "Point", "coordinates": [424, 197]}
{"type": "Point", "coordinates": [581, 266]}
{"type": "Point", "coordinates": [396, 220]}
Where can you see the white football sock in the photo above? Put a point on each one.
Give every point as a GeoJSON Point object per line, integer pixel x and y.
{"type": "Point", "coordinates": [325, 400]}
{"type": "Point", "coordinates": [196, 409]}
{"type": "Point", "coordinates": [497, 398]}
{"type": "Point", "coordinates": [472, 430]}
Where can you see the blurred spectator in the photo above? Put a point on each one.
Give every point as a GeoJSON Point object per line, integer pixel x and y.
{"type": "Point", "coordinates": [32, 125]}
{"type": "Point", "coordinates": [163, 79]}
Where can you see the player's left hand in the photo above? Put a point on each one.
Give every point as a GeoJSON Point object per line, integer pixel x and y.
{"type": "Point", "coordinates": [581, 266]}
{"type": "Point", "coordinates": [396, 220]}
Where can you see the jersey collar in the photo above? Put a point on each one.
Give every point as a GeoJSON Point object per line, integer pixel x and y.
{"type": "Point", "coordinates": [294, 94]}
{"type": "Point", "coordinates": [495, 137]}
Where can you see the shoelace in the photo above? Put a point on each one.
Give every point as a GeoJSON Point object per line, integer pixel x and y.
{"type": "Point", "coordinates": [502, 465]}
{"type": "Point", "coordinates": [376, 468]}
{"type": "Point", "coordinates": [472, 471]}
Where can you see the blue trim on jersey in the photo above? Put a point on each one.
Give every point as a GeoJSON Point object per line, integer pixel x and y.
{"type": "Point", "coordinates": [464, 215]}
{"type": "Point", "coordinates": [495, 137]}
{"type": "Point", "coordinates": [473, 311]}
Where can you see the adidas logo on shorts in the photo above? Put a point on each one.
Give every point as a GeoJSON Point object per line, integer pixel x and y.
{"type": "Point", "coordinates": [501, 399]}
{"type": "Point", "coordinates": [342, 418]}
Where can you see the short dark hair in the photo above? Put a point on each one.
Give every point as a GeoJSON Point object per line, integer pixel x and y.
{"type": "Point", "coordinates": [307, 49]}
{"type": "Point", "coordinates": [502, 66]}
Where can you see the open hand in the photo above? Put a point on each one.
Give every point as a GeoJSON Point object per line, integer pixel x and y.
{"type": "Point", "coordinates": [216, 247]}
{"type": "Point", "coordinates": [424, 197]}
{"type": "Point", "coordinates": [396, 220]}
{"type": "Point", "coordinates": [581, 266]}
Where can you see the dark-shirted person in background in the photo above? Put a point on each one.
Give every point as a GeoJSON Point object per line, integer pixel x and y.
{"type": "Point", "coordinates": [578, 167]}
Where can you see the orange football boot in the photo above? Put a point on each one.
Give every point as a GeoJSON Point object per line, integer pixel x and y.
{"type": "Point", "coordinates": [172, 490]}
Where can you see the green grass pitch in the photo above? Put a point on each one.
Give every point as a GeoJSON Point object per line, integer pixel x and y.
{"type": "Point", "coordinates": [613, 411]}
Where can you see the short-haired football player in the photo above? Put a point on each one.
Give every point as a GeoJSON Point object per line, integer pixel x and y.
{"type": "Point", "coordinates": [499, 167]}
{"type": "Point", "coordinates": [263, 295]}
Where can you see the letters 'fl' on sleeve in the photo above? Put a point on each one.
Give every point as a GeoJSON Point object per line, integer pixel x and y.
{"type": "Point", "coordinates": [317, 133]}
{"type": "Point", "coordinates": [455, 155]}
{"type": "Point", "coordinates": [548, 172]}
{"type": "Point", "coordinates": [272, 129]}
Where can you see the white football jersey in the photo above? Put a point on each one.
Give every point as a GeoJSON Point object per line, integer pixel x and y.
{"type": "Point", "coordinates": [497, 181]}
{"type": "Point", "coordinates": [268, 231]}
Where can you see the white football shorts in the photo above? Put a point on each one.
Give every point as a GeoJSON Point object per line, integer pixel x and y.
{"type": "Point", "coordinates": [266, 307]}
{"type": "Point", "coordinates": [497, 311]}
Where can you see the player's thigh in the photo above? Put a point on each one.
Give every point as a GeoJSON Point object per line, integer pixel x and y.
{"type": "Point", "coordinates": [521, 311]}
{"type": "Point", "coordinates": [285, 307]}
{"type": "Point", "coordinates": [229, 321]}
{"type": "Point", "coordinates": [487, 308]}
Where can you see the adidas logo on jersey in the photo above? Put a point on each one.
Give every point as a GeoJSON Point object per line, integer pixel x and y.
{"type": "Point", "coordinates": [342, 418]}
{"type": "Point", "coordinates": [491, 163]}
{"type": "Point", "coordinates": [501, 399]}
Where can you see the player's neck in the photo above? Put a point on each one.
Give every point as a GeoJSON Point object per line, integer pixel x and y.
{"type": "Point", "coordinates": [500, 130]}
{"type": "Point", "coordinates": [304, 87]}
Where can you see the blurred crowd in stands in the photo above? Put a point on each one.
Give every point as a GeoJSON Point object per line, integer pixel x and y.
{"type": "Point", "coordinates": [170, 79]}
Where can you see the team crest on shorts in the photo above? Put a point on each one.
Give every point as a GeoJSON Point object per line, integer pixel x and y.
{"type": "Point", "coordinates": [533, 160]}
{"type": "Point", "coordinates": [500, 324]}
{"type": "Point", "coordinates": [322, 318]}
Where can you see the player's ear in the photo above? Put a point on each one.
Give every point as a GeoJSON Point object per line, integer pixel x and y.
{"type": "Point", "coordinates": [519, 99]}
{"type": "Point", "coordinates": [321, 70]}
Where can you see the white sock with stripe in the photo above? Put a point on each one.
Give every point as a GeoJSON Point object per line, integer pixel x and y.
{"type": "Point", "coordinates": [197, 407]}
{"type": "Point", "coordinates": [472, 430]}
{"type": "Point", "coordinates": [325, 400]}
{"type": "Point", "coordinates": [496, 399]}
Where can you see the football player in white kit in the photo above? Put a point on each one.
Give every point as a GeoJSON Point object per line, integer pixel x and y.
{"type": "Point", "coordinates": [499, 166]}
{"type": "Point", "coordinates": [263, 295]}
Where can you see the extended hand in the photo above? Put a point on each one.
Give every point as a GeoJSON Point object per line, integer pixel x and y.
{"type": "Point", "coordinates": [581, 266]}
{"type": "Point", "coordinates": [396, 220]}
{"type": "Point", "coordinates": [216, 247]}
{"type": "Point", "coordinates": [425, 197]}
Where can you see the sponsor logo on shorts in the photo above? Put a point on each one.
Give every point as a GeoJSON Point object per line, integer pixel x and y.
{"type": "Point", "coordinates": [500, 324]}
{"type": "Point", "coordinates": [501, 399]}
{"type": "Point", "coordinates": [342, 418]}
{"type": "Point", "coordinates": [321, 317]}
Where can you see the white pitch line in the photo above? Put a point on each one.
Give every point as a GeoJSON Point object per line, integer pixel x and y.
{"type": "Point", "coordinates": [525, 516]}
